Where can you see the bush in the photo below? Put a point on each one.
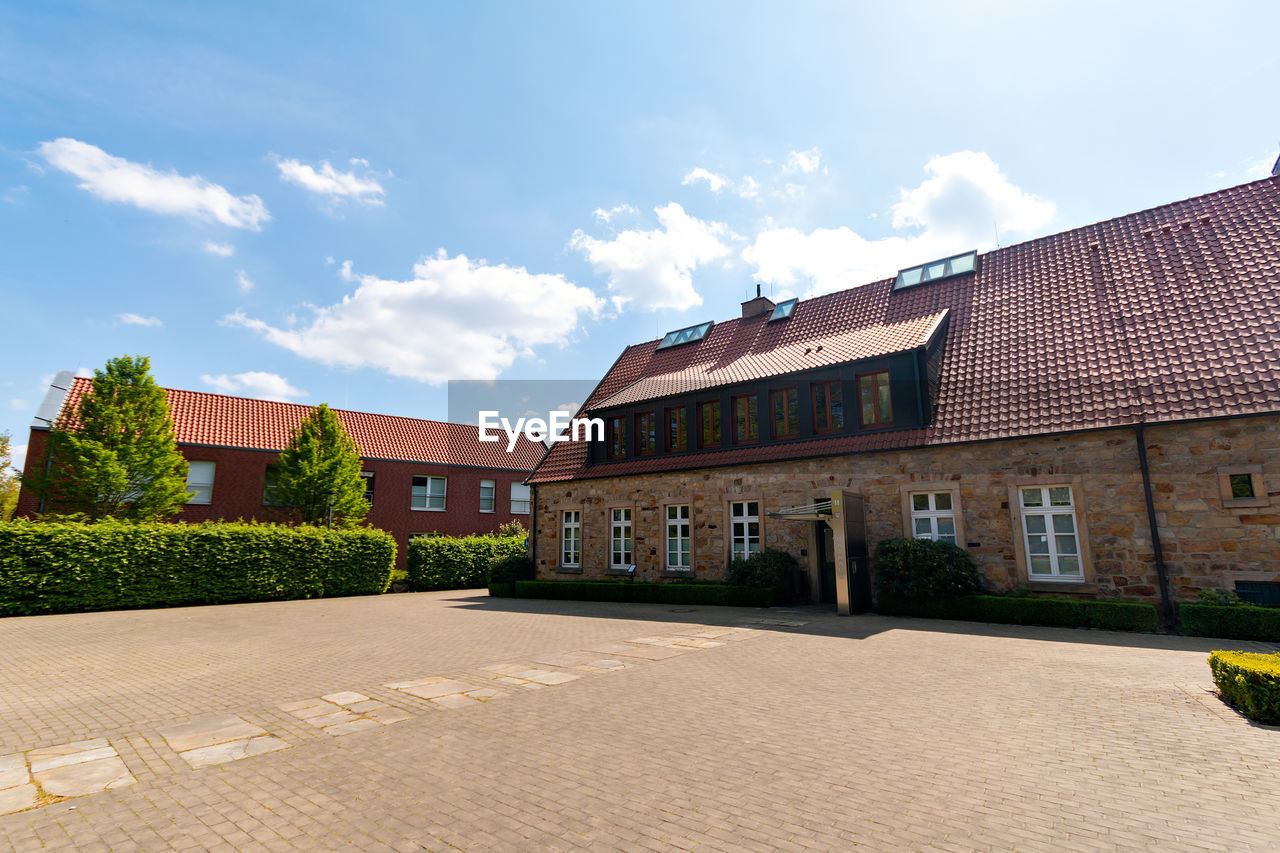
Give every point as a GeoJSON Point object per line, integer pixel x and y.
{"type": "Point", "coordinates": [63, 567]}
{"type": "Point", "coordinates": [764, 570]}
{"type": "Point", "coordinates": [642, 593]}
{"type": "Point", "coordinates": [1221, 597]}
{"type": "Point", "coordinates": [1250, 683]}
{"type": "Point", "coordinates": [1235, 622]}
{"type": "Point", "coordinates": [457, 562]}
{"type": "Point", "coordinates": [510, 568]}
{"type": "Point", "coordinates": [922, 568]}
{"type": "Point", "coordinates": [1019, 610]}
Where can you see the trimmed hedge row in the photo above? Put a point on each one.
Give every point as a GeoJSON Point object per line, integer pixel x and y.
{"type": "Point", "coordinates": [62, 567]}
{"type": "Point", "coordinates": [1238, 622]}
{"type": "Point", "coordinates": [638, 593]}
{"type": "Point", "coordinates": [1250, 683]}
{"type": "Point", "coordinates": [457, 562]}
{"type": "Point", "coordinates": [1019, 610]}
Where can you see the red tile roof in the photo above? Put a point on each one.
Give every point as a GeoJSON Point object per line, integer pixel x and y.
{"type": "Point", "coordinates": [1164, 315]}
{"type": "Point", "coordinates": [216, 419]}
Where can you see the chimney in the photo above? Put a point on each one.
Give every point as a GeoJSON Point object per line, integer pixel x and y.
{"type": "Point", "coordinates": [757, 306]}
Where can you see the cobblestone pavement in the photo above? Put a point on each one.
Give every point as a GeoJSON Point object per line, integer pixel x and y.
{"type": "Point", "coordinates": [445, 721]}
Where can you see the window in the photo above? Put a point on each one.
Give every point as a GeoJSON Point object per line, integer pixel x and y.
{"type": "Point", "coordinates": [874, 400]}
{"type": "Point", "coordinates": [1049, 528]}
{"type": "Point", "coordinates": [620, 533]}
{"type": "Point", "coordinates": [429, 493]}
{"type": "Point", "coordinates": [684, 336]}
{"type": "Point", "coordinates": [785, 405]}
{"type": "Point", "coordinates": [744, 529]}
{"type": "Point", "coordinates": [571, 538]}
{"type": "Point", "coordinates": [646, 433]}
{"type": "Point", "coordinates": [746, 426]}
{"type": "Point", "coordinates": [677, 434]}
{"type": "Point", "coordinates": [783, 310]}
{"type": "Point", "coordinates": [933, 516]}
{"type": "Point", "coordinates": [709, 424]}
{"type": "Point", "coordinates": [617, 428]}
{"type": "Point", "coordinates": [519, 499]}
{"type": "Point", "coordinates": [367, 476]}
{"type": "Point", "coordinates": [828, 407]}
{"type": "Point", "coordinates": [934, 270]}
{"type": "Point", "coordinates": [1242, 486]}
{"type": "Point", "coordinates": [678, 541]}
{"type": "Point", "coordinates": [488, 495]}
{"type": "Point", "coordinates": [269, 495]}
{"type": "Point", "coordinates": [200, 482]}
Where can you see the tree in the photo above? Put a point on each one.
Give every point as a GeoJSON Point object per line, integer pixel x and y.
{"type": "Point", "coordinates": [9, 483]}
{"type": "Point", "coordinates": [116, 454]}
{"type": "Point", "coordinates": [321, 462]}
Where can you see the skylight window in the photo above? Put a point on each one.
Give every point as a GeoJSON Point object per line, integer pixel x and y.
{"type": "Point", "coordinates": [685, 336]}
{"type": "Point", "coordinates": [934, 270]}
{"type": "Point", "coordinates": [783, 310]}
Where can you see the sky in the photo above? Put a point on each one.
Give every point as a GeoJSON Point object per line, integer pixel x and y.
{"type": "Point", "coordinates": [356, 203]}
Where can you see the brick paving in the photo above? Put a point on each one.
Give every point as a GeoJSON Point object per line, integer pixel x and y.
{"type": "Point", "coordinates": [580, 726]}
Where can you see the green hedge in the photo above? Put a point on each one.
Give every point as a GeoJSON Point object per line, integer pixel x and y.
{"type": "Point", "coordinates": [640, 593]}
{"type": "Point", "coordinates": [1019, 610]}
{"type": "Point", "coordinates": [1240, 622]}
{"type": "Point", "coordinates": [1249, 682]}
{"type": "Point", "coordinates": [457, 562]}
{"type": "Point", "coordinates": [60, 567]}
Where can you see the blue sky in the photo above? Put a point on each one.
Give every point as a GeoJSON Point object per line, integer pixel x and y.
{"type": "Point", "coordinates": [353, 203]}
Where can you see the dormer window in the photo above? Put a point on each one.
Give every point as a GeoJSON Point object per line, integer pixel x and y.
{"type": "Point", "coordinates": [934, 270]}
{"type": "Point", "coordinates": [783, 310]}
{"type": "Point", "coordinates": [684, 336]}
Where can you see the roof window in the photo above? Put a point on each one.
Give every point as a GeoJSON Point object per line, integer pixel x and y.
{"type": "Point", "coordinates": [783, 310]}
{"type": "Point", "coordinates": [685, 336]}
{"type": "Point", "coordinates": [934, 270]}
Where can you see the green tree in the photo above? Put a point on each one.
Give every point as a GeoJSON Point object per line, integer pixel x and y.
{"type": "Point", "coordinates": [9, 483]}
{"type": "Point", "coordinates": [116, 454]}
{"type": "Point", "coordinates": [321, 462]}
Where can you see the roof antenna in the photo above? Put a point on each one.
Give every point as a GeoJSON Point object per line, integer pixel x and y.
{"type": "Point", "coordinates": [995, 226]}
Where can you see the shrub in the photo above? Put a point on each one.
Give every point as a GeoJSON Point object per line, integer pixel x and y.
{"type": "Point", "coordinates": [512, 528]}
{"type": "Point", "coordinates": [1019, 610]}
{"type": "Point", "coordinates": [457, 562]}
{"type": "Point", "coordinates": [510, 568]}
{"type": "Point", "coordinates": [62, 567]}
{"type": "Point", "coordinates": [1220, 597]}
{"type": "Point", "coordinates": [764, 570]}
{"type": "Point", "coordinates": [1250, 683]}
{"type": "Point", "coordinates": [643, 593]}
{"type": "Point", "coordinates": [922, 568]}
{"type": "Point", "coordinates": [1235, 622]}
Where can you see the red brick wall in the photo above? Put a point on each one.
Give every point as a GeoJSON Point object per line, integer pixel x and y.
{"type": "Point", "coordinates": [239, 478]}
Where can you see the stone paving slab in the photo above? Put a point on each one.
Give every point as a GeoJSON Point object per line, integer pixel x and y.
{"type": "Point", "coordinates": [232, 750]}
{"type": "Point", "coordinates": [16, 798]}
{"type": "Point", "coordinates": [84, 778]}
{"type": "Point", "coordinates": [345, 713]}
{"type": "Point", "coordinates": [209, 731]}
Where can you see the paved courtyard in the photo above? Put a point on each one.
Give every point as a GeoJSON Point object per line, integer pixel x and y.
{"type": "Point", "coordinates": [445, 721]}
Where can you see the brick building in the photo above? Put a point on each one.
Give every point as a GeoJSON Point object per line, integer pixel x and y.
{"type": "Point", "coordinates": [421, 476]}
{"type": "Point", "coordinates": [1093, 413]}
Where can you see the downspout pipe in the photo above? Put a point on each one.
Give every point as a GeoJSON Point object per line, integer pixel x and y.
{"type": "Point", "coordinates": [1162, 571]}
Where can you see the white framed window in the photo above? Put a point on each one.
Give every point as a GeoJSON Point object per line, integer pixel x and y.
{"type": "Point", "coordinates": [620, 534]}
{"type": "Point", "coordinates": [429, 493]}
{"type": "Point", "coordinates": [678, 540]}
{"type": "Point", "coordinates": [1050, 533]}
{"type": "Point", "coordinates": [519, 499]}
{"type": "Point", "coordinates": [933, 516]}
{"type": "Point", "coordinates": [571, 538]}
{"type": "Point", "coordinates": [488, 495]}
{"type": "Point", "coordinates": [744, 529]}
{"type": "Point", "coordinates": [200, 482]}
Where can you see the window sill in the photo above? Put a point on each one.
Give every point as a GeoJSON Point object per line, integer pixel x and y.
{"type": "Point", "coordinates": [427, 509]}
{"type": "Point", "coordinates": [486, 512]}
{"type": "Point", "coordinates": [1061, 586]}
{"type": "Point", "coordinates": [617, 572]}
{"type": "Point", "coordinates": [569, 570]}
{"type": "Point", "coordinates": [1245, 503]}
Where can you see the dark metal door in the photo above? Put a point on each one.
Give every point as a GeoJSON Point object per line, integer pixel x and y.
{"type": "Point", "coordinates": [826, 562]}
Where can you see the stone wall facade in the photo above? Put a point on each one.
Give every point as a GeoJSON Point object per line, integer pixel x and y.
{"type": "Point", "coordinates": [1208, 542]}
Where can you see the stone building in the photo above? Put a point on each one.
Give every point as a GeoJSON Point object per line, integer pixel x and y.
{"type": "Point", "coordinates": [1094, 413]}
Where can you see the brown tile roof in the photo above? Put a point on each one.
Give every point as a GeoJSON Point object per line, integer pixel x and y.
{"type": "Point", "coordinates": [1168, 314]}
{"type": "Point", "coordinates": [216, 419]}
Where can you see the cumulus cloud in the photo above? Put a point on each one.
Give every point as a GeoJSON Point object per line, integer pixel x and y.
{"type": "Point", "coordinates": [654, 269]}
{"type": "Point", "coordinates": [453, 319]}
{"type": "Point", "coordinates": [116, 179]}
{"type": "Point", "coordinates": [715, 182]}
{"type": "Point", "coordinates": [138, 320]}
{"type": "Point", "coordinates": [225, 250]}
{"type": "Point", "coordinates": [256, 384]}
{"type": "Point", "coordinates": [959, 206]}
{"type": "Point", "coordinates": [246, 283]}
{"type": "Point", "coordinates": [603, 215]}
{"type": "Point", "coordinates": [806, 162]}
{"type": "Point", "coordinates": [331, 183]}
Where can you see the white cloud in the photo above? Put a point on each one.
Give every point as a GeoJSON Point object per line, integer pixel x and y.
{"type": "Point", "coordinates": [803, 161]}
{"type": "Point", "coordinates": [226, 250]}
{"type": "Point", "coordinates": [116, 179]}
{"type": "Point", "coordinates": [454, 319]}
{"type": "Point", "coordinates": [1260, 167]}
{"type": "Point", "coordinates": [957, 207]}
{"type": "Point", "coordinates": [138, 320]}
{"type": "Point", "coordinates": [328, 181]}
{"type": "Point", "coordinates": [246, 283]}
{"type": "Point", "coordinates": [256, 384]}
{"type": "Point", "coordinates": [715, 182]}
{"type": "Point", "coordinates": [81, 372]}
{"type": "Point", "coordinates": [18, 456]}
{"type": "Point", "coordinates": [16, 195]}
{"type": "Point", "coordinates": [607, 215]}
{"type": "Point", "coordinates": [17, 404]}
{"type": "Point", "coordinates": [654, 269]}
{"type": "Point", "coordinates": [748, 187]}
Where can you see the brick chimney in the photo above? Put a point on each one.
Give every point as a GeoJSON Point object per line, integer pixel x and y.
{"type": "Point", "coordinates": [757, 306]}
